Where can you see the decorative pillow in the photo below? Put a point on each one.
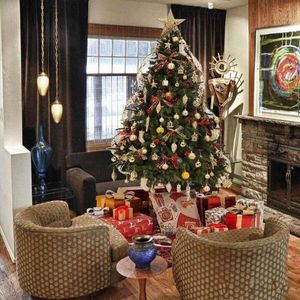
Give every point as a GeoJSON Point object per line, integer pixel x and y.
{"type": "Point", "coordinates": [174, 210]}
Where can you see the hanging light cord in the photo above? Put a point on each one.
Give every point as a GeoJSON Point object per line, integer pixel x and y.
{"type": "Point", "coordinates": [42, 35]}
{"type": "Point", "coordinates": [56, 51]}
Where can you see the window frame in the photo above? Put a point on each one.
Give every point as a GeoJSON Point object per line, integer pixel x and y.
{"type": "Point", "coordinates": [99, 31]}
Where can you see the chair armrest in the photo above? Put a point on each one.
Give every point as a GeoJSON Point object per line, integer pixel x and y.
{"type": "Point", "coordinates": [118, 243]}
{"type": "Point", "coordinates": [83, 185]}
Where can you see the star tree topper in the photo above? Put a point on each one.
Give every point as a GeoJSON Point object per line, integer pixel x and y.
{"type": "Point", "coordinates": [170, 23]}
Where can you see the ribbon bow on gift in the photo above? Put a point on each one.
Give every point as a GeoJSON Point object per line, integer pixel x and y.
{"type": "Point", "coordinates": [127, 195]}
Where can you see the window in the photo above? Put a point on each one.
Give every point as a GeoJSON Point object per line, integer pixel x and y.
{"type": "Point", "coordinates": [112, 65]}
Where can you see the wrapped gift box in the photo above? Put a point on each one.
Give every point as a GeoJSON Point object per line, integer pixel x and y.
{"type": "Point", "coordinates": [218, 227]}
{"type": "Point", "coordinates": [240, 220]}
{"type": "Point", "coordinates": [134, 203]}
{"type": "Point", "coordinates": [200, 230]}
{"type": "Point", "coordinates": [111, 203]}
{"type": "Point", "coordinates": [257, 205]}
{"type": "Point", "coordinates": [205, 202]}
{"type": "Point", "coordinates": [138, 224]}
{"type": "Point", "coordinates": [215, 215]}
{"type": "Point", "coordinates": [122, 213]}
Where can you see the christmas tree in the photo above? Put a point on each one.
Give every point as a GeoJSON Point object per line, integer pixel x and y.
{"type": "Point", "coordinates": [169, 137]}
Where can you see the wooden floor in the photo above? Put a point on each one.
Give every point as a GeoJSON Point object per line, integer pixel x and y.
{"type": "Point", "coordinates": [162, 287]}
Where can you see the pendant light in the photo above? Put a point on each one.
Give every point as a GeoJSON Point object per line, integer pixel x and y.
{"type": "Point", "coordinates": [56, 106]}
{"type": "Point", "coordinates": [42, 79]}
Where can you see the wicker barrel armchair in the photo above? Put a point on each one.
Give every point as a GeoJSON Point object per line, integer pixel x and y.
{"type": "Point", "coordinates": [246, 264]}
{"type": "Point", "coordinates": [61, 258]}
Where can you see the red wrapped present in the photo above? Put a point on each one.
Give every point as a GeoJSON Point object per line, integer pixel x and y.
{"type": "Point", "coordinates": [218, 227]}
{"type": "Point", "coordinates": [122, 213]}
{"type": "Point", "coordinates": [237, 221]}
{"type": "Point", "coordinates": [138, 224]}
{"type": "Point", "coordinates": [200, 230]}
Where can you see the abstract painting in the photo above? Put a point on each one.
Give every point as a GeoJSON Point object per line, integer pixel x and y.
{"type": "Point", "coordinates": [277, 73]}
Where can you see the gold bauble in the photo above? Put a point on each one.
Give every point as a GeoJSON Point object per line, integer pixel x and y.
{"type": "Point", "coordinates": [160, 130]}
{"type": "Point", "coordinates": [185, 175]}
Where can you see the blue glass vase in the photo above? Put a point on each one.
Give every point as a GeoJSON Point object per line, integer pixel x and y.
{"type": "Point", "coordinates": [142, 252]}
{"type": "Point", "coordinates": [41, 155]}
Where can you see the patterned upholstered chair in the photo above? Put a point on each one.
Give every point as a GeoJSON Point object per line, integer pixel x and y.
{"type": "Point", "coordinates": [61, 258]}
{"type": "Point", "coordinates": [238, 264]}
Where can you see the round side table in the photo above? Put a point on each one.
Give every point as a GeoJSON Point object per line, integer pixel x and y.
{"type": "Point", "coordinates": [126, 268]}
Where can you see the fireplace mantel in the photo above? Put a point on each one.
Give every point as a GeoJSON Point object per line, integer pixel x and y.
{"type": "Point", "coordinates": [244, 118]}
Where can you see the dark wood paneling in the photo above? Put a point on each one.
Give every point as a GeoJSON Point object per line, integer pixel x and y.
{"type": "Point", "coordinates": [268, 13]}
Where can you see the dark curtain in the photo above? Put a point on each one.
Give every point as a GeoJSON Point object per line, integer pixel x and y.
{"type": "Point", "coordinates": [70, 134]}
{"type": "Point", "coordinates": [204, 32]}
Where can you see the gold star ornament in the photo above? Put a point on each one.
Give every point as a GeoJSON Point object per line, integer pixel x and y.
{"type": "Point", "coordinates": [170, 23]}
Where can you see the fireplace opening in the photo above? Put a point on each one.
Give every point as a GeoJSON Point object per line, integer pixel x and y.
{"type": "Point", "coordinates": [284, 186]}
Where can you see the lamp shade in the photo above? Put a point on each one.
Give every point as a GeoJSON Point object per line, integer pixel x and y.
{"type": "Point", "coordinates": [57, 110]}
{"type": "Point", "coordinates": [42, 83]}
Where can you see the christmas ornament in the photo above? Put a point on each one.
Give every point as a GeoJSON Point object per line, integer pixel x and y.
{"type": "Point", "coordinates": [207, 176]}
{"type": "Point", "coordinates": [160, 130]}
{"type": "Point", "coordinates": [133, 176]}
{"type": "Point", "coordinates": [169, 187]}
{"type": "Point", "coordinates": [212, 174]}
{"type": "Point", "coordinates": [171, 66]}
{"type": "Point", "coordinates": [141, 136]}
{"type": "Point", "coordinates": [176, 116]}
{"type": "Point", "coordinates": [196, 103]}
{"type": "Point", "coordinates": [153, 84]}
{"type": "Point", "coordinates": [194, 77]}
{"type": "Point", "coordinates": [149, 77]}
{"type": "Point", "coordinates": [168, 45]}
{"type": "Point", "coordinates": [154, 156]}
{"type": "Point", "coordinates": [124, 157]}
{"type": "Point", "coordinates": [175, 39]}
{"type": "Point", "coordinates": [165, 166]}
{"type": "Point", "coordinates": [217, 120]}
{"type": "Point", "coordinates": [206, 189]}
{"type": "Point", "coordinates": [177, 84]}
{"type": "Point", "coordinates": [195, 124]}
{"type": "Point", "coordinates": [184, 77]}
{"type": "Point", "coordinates": [198, 164]}
{"type": "Point", "coordinates": [131, 159]}
{"type": "Point", "coordinates": [133, 137]}
{"type": "Point", "coordinates": [165, 82]}
{"type": "Point", "coordinates": [178, 188]}
{"type": "Point", "coordinates": [180, 70]}
{"type": "Point", "coordinates": [122, 148]}
{"type": "Point", "coordinates": [144, 151]}
{"type": "Point", "coordinates": [114, 175]}
{"type": "Point", "coordinates": [197, 116]}
{"type": "Point", "coordinates": [192, 156]}
{"type": "Point", "coordinates": [185, 175]}
{"type": "Point", "coordinates": [143, 184]}
{"type": "Point", "coordinates": [170, 125]}
{"type": "Point", "coordinates": [194, 137]}
{"type": "Point", "coordinates": [173, 147]}
{"type": "Point", "coordinates": [113, 159]}
{"type": "Point", "coordinates": [161, 119]}
{"type": "Point", "coordinates": [185, 99]}
{"type": "Point", "coordinates": [182, 144]}
{"type": "Point", "coordinates": [185, 113]}
{"type": "Point", "coordinates": [170, 23]}
{"type": "Point", "coordinates": [168, 96]}
{"type": "Point", "coordinates": [182, 45]}
{"type": "Point", "coordinates": [147, 123]}
{"type": "Point", "coordinates": [207, 138]}
{"type": "Point", "coordinates": [158, 107]}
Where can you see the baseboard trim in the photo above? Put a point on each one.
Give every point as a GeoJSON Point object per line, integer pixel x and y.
{"type": "Point", "coordinates": [9, 250]}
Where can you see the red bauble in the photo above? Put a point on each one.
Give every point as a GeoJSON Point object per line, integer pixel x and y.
{"type": "Point", "coordinates": [156, 141]}
{"type": "Point", "coordinates": [186, 153]}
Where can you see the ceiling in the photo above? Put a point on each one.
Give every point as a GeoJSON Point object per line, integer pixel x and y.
{"type": "Point", "coordinates": [222, 4]}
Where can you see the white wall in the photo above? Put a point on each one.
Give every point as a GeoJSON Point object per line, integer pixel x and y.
{"type": "Point", "coordinates": [237, 45]}
{"type": "Point", "coordinates": [126, 13]}
{"type": "Point", "coordinates": [15, 164]}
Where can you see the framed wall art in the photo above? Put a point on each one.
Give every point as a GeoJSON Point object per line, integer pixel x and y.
{"type": "Point", "coordinates": [277, 73]}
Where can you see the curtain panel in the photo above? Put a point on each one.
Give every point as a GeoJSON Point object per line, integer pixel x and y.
{"type": "Point", "coordinates": [70, 134]}
{"type": "Point", "coordinates": [204, 32]}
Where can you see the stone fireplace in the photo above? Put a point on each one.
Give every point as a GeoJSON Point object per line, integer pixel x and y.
{"type": "Point", "coordinates": [271, 163]}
